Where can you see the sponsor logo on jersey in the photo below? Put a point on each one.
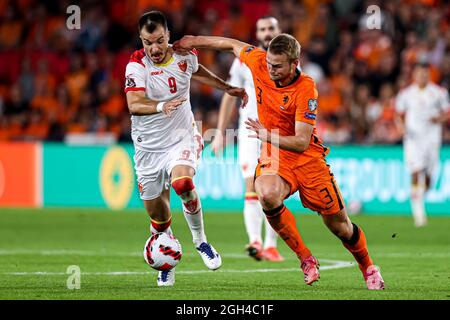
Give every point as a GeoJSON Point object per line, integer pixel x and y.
{"type": "Point", "coordinates": [285, 99]}
{"type": "Point", "coordinates": [129, 82]}
{"type": "Point", "coordinates": [282, 108]}
{"type": "Point", "coordinates": [312, 104]}
{"type": "Point", "coordinates": [311, 116]}
{"type": "Point", "coordinates": [139, 139]}
{"type": "Point", "coordinates": [155, 73]}
{"type": "Point", "coordinates": [183, 65]}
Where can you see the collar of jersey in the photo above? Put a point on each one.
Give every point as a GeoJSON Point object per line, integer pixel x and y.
{"type": "Point", "coordinates": [298, 73]}
{"type": "Point", "coordinates": [164, 64]}
{"type": "Point", "coordinates": [422, 89]}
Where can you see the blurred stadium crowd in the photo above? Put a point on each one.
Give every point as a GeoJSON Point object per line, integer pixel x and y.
{"type": "Point", "coordinates": [55, 81]}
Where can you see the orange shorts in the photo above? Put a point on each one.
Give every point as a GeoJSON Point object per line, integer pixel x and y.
{"type": "Point", "coordinates": [314, 180]}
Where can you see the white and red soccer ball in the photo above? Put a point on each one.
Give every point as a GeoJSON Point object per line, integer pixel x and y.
{"type": "Point", "coordinates": [162, 251]}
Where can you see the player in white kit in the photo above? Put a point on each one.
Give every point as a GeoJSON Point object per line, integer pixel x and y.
{"type": "Point", "coordinates": [423, 107]}
{"type": "Point", "coordinates": [165, 136]}
{"type": "Point", "coordinates": [248, 148]}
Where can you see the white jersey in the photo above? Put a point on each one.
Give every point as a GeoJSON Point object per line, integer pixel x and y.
{"type": "Point", "coordinates": [419, 106]}
{"type": "Point", "coordinates": [162, 82]}
{"type": "Point", "coordinates": [241, 76]}
{"type": "Point", "coordinates": [248, 151]}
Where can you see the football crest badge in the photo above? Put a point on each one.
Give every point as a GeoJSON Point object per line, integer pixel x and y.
{"type": "Point", "coordinates": [312, 104]}
{"type": "Point", "coordinates": [182, 65]}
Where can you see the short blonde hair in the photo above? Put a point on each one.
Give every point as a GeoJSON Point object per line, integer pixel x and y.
{"type": "Point", "coordinates": [287, 44]}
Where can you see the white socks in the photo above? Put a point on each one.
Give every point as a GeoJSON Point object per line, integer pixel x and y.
{"type": "Point", "coordinates": [270, 240]}
{"type": "Point", "coordinates": [192, 210]}
{"type": "Point", "coordinates": [418, 202]}
{"type": "Point", "coordinates": [253, 218]}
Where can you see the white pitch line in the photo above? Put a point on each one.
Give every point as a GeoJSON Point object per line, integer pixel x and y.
{"type": "Point", "coordinates": [119, 254]}
{"type": "Point", "coordinates": [49, 252]}
{"type": "Point", "coordinates": [57, 252]}
{"type": "Point", "coordinates": [60, 252]}
{"type": "Point", "coordinates": [335, 265]}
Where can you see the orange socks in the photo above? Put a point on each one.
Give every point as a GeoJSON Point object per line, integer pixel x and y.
{"type": "Point", "coordinates": [283, 222]}
{"type": "Point", "coordinates": [357, 245]}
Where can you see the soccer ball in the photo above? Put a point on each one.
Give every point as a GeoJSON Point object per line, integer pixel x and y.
{"type": "Point", "coordinates": [162, 251]}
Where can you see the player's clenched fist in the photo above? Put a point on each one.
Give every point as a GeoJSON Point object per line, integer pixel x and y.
{"type": "Point", "coordinates": [240, 93]}
{"type": "Point", "coordinates": [184, 44]}
{"type": "Point", "coordinates": [171, 106]}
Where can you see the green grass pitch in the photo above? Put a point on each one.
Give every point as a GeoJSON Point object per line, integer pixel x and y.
{"type": "Point", "coordinates": [37, 246]}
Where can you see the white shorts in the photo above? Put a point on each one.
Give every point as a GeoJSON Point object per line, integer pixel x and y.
{"type": "Point", "coordinates": [153, 169]}
{"type": "Point", "coordinates": [420, 156]}
{"type": "Point", "coordinates": [248, 153]}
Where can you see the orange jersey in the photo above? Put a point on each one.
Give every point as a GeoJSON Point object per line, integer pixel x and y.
{"type": "Point", "coordinates": [280, 107]}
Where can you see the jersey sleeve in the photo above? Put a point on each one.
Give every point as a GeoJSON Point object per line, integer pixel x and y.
{"type": "Point", "coordinates": [252, 57]}
{"type": "Point", "coordinates": [236, 76]}
{"type": "Point", "coordinates": [134, 77]}
{"type": "Point", "coordinates": [194, 59]}
{"type": "Point", "coordinates": [306, 103]}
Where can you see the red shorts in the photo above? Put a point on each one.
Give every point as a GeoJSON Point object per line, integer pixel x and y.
{"type": "Point", "coordinates": [314, 180]}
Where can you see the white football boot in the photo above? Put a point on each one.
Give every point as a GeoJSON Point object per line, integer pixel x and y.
{"type": "Point", "coordinates": [210, 256]}
{"type": "Point", "coordinates": [166, 278]}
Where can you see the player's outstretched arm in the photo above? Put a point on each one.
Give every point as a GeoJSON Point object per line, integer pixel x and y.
{"type": "Point", "coordinates": [227, 105]}
{"type": "Point", "coordinates": [140, 105]}
{"type": "Point", "coordinates": [298, 143]}
{"type": "Point", "coordinates": [207, 77]}
{"type": "Point", "coordinates": [210, 42]}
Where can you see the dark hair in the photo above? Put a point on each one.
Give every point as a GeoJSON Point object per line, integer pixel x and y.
{"type": "Point", "coordinates": [151, 20]}
{"type": "Point", "coordinates": [267, 17]}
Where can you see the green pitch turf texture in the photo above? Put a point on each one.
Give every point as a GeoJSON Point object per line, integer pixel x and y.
{"type": "Point", "coordinates": [37, 246]}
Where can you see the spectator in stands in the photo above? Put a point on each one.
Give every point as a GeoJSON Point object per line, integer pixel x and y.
{"type": "Point", "coordinates": [55, 81]}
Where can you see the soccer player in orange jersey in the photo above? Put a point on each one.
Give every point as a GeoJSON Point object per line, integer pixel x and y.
{"type": "Point", "coordinates": [292, 156]}
{"type": "Point", "coordinates": [267, 28]}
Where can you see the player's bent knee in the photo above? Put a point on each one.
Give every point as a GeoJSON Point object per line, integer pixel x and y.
{"type": "Point", "coordinates": [270, 197]}
{"type": "Point", "coordinates": [182, 185]}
